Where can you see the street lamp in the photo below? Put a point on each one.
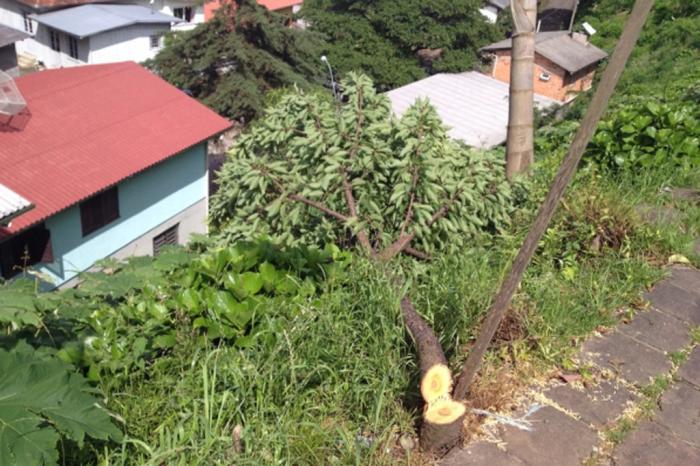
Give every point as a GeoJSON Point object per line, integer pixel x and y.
{"type": "Point", "coordinates": [324, 59]}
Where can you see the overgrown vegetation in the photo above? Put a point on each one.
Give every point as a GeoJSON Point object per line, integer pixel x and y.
{"type": "Point", "coordinates": [396, 43]}
{"type": "Point", "coordinates": [257, 354]}
{"type": "Point", "coordinates": [233, 60]}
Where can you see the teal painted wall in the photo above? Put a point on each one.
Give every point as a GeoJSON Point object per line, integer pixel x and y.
{"type": "Point", "coordinates": [145, 201]}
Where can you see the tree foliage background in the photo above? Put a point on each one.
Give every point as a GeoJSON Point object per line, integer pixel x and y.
{"type": "Point", "coordinates": [230, 62]}
{"type": "Point", "coordinates": [382, 38]}
{"type": "Point", "coordinates": [402, 172]}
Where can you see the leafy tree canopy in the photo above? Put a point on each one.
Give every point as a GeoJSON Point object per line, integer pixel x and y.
{"type": "Point", "coordinates": [291, 175]}
{"type": "Point", "coordinates": [398, 42]}
{"type": "Point", "coordinates": [231, 61]}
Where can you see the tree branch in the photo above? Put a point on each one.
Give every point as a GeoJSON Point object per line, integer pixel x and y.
{"type": "Point", "coordinates": [402, 243]}
{"type": "Point", "coordinates": [416, 253]}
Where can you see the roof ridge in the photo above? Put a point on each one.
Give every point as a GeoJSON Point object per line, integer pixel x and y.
{"type": "Point", "coordinates": [110, 68]}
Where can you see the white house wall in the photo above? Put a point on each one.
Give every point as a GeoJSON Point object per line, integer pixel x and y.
{"type": "Point", "coordinates": [130, 43]}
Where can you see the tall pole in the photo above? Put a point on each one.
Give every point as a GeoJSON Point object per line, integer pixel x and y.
{"type": "Point", "coordinates": [520, 142]}
{"type": "Point", "coordinates": [609, 80]}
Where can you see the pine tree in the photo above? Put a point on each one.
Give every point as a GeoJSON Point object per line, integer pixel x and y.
{"type": "Point", "coordinates": [230, 62]}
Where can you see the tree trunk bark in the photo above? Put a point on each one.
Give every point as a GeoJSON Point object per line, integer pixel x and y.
{"type": "Point", "coordinates": [442, 416]}
{"type": "Point", "coordinates": [520, 142]}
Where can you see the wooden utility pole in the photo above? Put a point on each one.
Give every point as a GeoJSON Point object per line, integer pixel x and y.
{"type": "Point", "coordinates": [595, 110]}
{"type": "Point", "coordinates": [520, 142]}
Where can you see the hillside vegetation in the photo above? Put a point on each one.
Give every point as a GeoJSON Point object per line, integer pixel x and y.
{"type": "Point", "coordinates": [396, 43]}
{"type": "Point", "coordinates": [290, 349]}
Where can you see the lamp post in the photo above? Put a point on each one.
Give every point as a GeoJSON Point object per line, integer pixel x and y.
{"type": "Point", "coordinates": [324, 59]}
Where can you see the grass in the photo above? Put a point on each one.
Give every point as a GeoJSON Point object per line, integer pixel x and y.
{"type": "Point", "coordinates": [334, 381]}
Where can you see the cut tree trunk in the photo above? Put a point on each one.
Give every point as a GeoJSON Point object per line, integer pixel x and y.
{"type": "Point", "coordinates": [520, 142]}
{"type": "Point", "coordinates": [442, 416]}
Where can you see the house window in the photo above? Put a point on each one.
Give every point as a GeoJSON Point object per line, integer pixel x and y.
{"type": "Point", "coordinates": [183, 13]}
{"type": "Point", "coordinates": [155, 41]}
{"type": "Point", "coordinates": [73, 47]}
{"type": "Point", "coordinates": [169, 236]}
{"type": "Point", "coordinates": [28, 25]}
{"type": "Point", "coordinates": [55, 40]}
{"type": "Point", "coordinates": [25, 249]}
{"type": "Point", "coordinates": [99, 210]}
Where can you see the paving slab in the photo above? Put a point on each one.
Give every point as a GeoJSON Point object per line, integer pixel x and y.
{"type": "Point", "coordinates": [480, 453]}
{"type": "Point", "coordinates": [634, 361]}
{"type": "Point", "coordinates": [652, 445]}
{"type": "Point", "coordinates": [658, 329]}
{"type": "Point", "coordinates": [597, 406]}
{"type": "Point", "coordinates": [657, 214]}
{"type": "Point", "coordinates": [556, 439]}
{"type": "Point", "coordinates": [686, 277]}
{"type": "Point", "coordinates": [676, 301]}
{"type": "Point", "coordinates": [690, 371]}
{"type": "Point", "coordinates": [686, 194]}
{"type": "Point", "coordinates": [679, 411]}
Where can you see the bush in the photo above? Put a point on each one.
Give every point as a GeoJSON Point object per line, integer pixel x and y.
{"type": "Point", "coordinates": [649, 134]}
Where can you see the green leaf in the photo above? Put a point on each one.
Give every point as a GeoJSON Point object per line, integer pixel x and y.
{"type": "Point", "coordinates": [165, 341]}
{"type": "Point", "coordinates": [42, 399]}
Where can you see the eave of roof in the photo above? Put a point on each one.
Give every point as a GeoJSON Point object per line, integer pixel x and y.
{"type": "Point", "coordinates": [10, 35]}
{"type": "Point", "coordinates": [11, 205]}
{"type": "Point", "coordinates": [88, 20]}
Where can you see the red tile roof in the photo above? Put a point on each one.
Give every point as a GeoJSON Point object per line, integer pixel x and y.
{"type": "Point", "coordinates": [274, 5]}
{"type": "Point", "coordinates": [90, 127]}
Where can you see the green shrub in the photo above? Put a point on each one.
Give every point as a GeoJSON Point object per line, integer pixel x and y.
{"type": "Point", "coordinates": [649, 134]}
{"type": "Point", "coordinates": [131, 312]}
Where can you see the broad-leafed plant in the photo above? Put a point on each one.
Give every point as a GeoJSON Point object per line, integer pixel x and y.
{"type": "Point", "coordinates": [314, 171]}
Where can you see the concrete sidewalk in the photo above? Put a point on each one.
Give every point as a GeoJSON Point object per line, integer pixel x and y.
{"type": "Point", "coordinates": [574, 425]}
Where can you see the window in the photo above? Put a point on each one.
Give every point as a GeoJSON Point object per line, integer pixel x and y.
{"type": "Point", "coordinates": [27, 248]}
{"type": "Point", "coordinates": [28, 24]}
{"type": "Point", "coordinates": [55, 40]}
{"type": "Point", "coordinates": [99, 210]}
{"type": "Point", "coordinates": [155, 41]}
{"type": "Point", "coordinates": [183, 13]}
{"type": "Point", "coordinates": [169, 236]}
{"type": "Point", "coordinates": [73, 47]}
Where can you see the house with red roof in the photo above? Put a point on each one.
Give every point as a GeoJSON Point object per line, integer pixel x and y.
{"type": "Point", "coordinates": [284, 7]}
{"type": "Point", "coordinates": [101, 161]}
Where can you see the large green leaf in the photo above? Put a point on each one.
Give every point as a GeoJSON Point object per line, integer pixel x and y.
{"type": "Point", "coordinates": [41, 400]}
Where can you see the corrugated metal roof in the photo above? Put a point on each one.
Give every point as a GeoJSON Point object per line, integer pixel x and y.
{"type": "Point", "coordinates": [10, 35]}
{"type": "Point", "coordinates": [11, 204]}
{"type": "Point", "coordinates": [560, 48]}
{"type": "Point", "coordinates": [472, 105]}
{"type": "Point", "coordinates": [502, 4]}
{"type": "Point", "coordinates": [89, 128]}
{"type": "Point", "coordinates": [88, 20]}
{"type": "Point", "coordinates": [39, 4]}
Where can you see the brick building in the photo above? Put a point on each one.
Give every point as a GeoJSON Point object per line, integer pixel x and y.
{"type": "Point", "coordinates": [564, 63]}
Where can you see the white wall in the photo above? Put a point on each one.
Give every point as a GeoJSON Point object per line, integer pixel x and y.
{"type": "Point", "coordinates": [130, 43]}
{"type": "Point", "coordinates": [167, 6]}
